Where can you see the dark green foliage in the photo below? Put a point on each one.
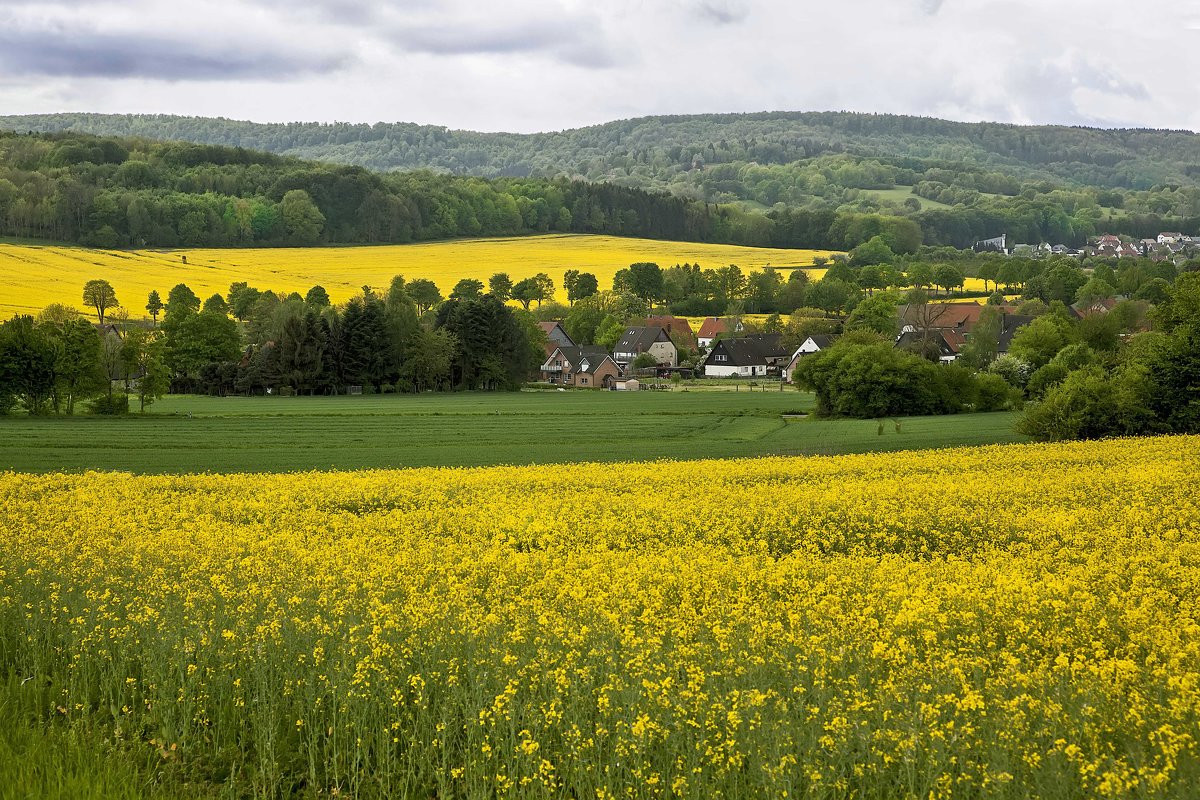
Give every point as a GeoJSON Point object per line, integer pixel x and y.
{"type": "Point", "coordinates": [578, 285]}
{"type": "Point", "coordinates": [864, 379]}
{"type": "Point", "coordinates": [893, 148]}
{"type": "Point", "coordinates": [183, 195]}
{"type": "Point", "coordinates": [493, 350]}
{"type": "Point", "coordinates": [78, 372]}
{"type": "Point", "coordinates": [27, 364]}
{"type": "Point", "coordinates": [875, 251]}
{"type": "Point", "coordinates": [1083, 406]}
{"type": "Point", "coordinates": [646, 281]}
{"type": "Point", "coordinates": [110, 405]}
{"type": "Point", "coordinates": [1154, 388]}
{"type": "Point", "coordinates": [993, 393]}
{"type": "Point", "coordinates": [877, 314]}
{"type": "Point", "coordinates": [316, 297]}
{"type": "Point", "coordinates": [467, 289]}
{"type": "Point", "coordinates": [500, 286]}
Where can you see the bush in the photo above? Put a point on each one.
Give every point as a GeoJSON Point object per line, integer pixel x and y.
{"type": "Point", "coordinates": [993, 393]}
{"type": "Point", "coordinates": [1046, 378]}
{"type": "Point", "coordinates": [1084, 406]}
{"type": "Point", "coordinates": [110, 405]}
{"type": "Point", "coordinates": [874, 379]}
{"type": "Point", "coordinates": [1015, 371]}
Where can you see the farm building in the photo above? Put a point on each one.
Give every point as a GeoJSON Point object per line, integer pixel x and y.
{"type": "Point", "coordinates": [946, 343]}
{"type": "Point", "coordinates": [1009, 325]}
{"type": "Point", "coordinates": [959, 317]}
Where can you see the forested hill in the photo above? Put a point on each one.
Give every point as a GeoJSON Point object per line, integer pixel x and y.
{"type": "Point", "coordinates": [664, 152]}
{"type": "Point", "coordinates": [109, 191]}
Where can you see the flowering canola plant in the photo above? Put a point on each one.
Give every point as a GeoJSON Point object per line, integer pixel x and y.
{"type": "Point", "coordinates": [1005, 621]}
{"type": "Point", "coordinates": [34, 276]}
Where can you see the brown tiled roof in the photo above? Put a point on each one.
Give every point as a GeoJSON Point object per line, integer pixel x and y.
{"type": "Point", "coordinates": [955, 316]}
{"type": "Point", "coordinates": [711, 327]}
{"type": "Point", "coordinates": [672, 325]}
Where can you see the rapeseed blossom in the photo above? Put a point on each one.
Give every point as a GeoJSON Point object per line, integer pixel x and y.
{"type": "Point", "coordinates": [999, 621]}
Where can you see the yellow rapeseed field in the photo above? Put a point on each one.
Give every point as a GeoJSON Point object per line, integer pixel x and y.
{"type": "Point", "coordinates": [1010, 621]}
{"type": "Point", "coordinates": [32, 277]}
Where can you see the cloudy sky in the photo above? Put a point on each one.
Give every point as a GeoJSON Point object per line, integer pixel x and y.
{"type": "Point", "coordinates": [526, 65]}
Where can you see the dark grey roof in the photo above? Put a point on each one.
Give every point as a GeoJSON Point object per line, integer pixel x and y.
{"type": "Point", "coordinates": [747, 351]}
{"type": "Point", "coordinates": [822, 340]}
{"type": "Point", "coordinates": [913, 340]}
{"type": "Point", "coordinates": [594, 360]}
{"type": "Point", "coordinates": [574, 355]}
{"type": "Point", "coordinates": [639, 339]}
{"type": "Point", "coordinates": [1009, 324]}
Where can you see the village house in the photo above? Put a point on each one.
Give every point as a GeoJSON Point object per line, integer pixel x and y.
{"type": "Point", "coordinates": [998, 244]}
{"type": "Point", "coordinates": [813, 344]}
{"type": "Point", "coordinates": [747, 356]}
{"type": "Point", "coordinates": [556, 336]}
{"type": "Point", "coordinates": [945, 342]}
{"type": "Point", "coordinates": [595, 373]}
{"type": "Point", "coordinates": [677, 328]}
{"type": "Point", "coordinates": [712, 327]}
{"type": "Point", "coordinates": [960, 317]}
{"type": "Point", "coordinates": [587, 367]}
{"type": "Point", "coordinates": [1009, 325]}
{"type": "Point", "coordinates": [646, 339]}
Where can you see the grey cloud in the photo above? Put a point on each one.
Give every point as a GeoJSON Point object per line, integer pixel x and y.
{"type": "Point", "coordinates": [1046, 90]}
{"type": "Point", "coordinates": [932, 7]}
{"type": "Point", "coordinates": [722, 12]}
{"type": "Point", "coordinates": [347, 12]}
{"type": "Point", "coordinates": [89, 54]}
{"type": "Point", "coordinates": [564, 40]}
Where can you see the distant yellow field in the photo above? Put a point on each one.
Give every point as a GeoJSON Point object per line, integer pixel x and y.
{"type": "Point", "coordinates": [32, 277]}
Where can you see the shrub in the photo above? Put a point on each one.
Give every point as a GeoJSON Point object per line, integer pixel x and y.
{"type": "Point", "coordinates": [1083, 406]}
{"type": "Point", "coordinates": [110, 405]}
{"type": "Point", "coordinates": [993, 393]}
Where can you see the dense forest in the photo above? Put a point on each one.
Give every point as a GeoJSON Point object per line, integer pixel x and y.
{"type": "Point", "coordinates": [119, 192]}
{"type": "Point", "coordinates": [657, 150]}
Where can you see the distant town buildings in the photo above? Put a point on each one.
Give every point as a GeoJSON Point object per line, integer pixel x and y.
{"type": "Point", "coordinates": [1167, 246]}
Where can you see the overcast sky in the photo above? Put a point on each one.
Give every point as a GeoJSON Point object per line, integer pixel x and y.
{"type": "Point", "coordinates": [526, 65]}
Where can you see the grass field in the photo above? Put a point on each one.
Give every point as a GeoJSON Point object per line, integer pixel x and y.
{"type": "Point", "coordinates": [196, 434]}
{"type": "Point", "coordinates": [32, 277]}
{"type": "Point", "coordinates": [898, 194]}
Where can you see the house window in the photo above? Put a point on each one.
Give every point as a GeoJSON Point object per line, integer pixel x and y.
{"type": "Point", "coordinates": [720, 357]}
{"type": "Point", "coordinates": [584, 381]}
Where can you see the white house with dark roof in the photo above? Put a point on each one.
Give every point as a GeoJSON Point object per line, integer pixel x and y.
{"type": "Point", "coordinates": [747, 357]}
{"type": "Point", "coordinates": [810, 346]}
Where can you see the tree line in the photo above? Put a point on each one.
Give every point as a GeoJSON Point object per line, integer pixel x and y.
{"type": "Point", "coordinates": [253, 342]}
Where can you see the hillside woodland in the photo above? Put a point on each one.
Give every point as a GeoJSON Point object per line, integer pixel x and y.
{"type": "Point", "coordinates": [958, 181]}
